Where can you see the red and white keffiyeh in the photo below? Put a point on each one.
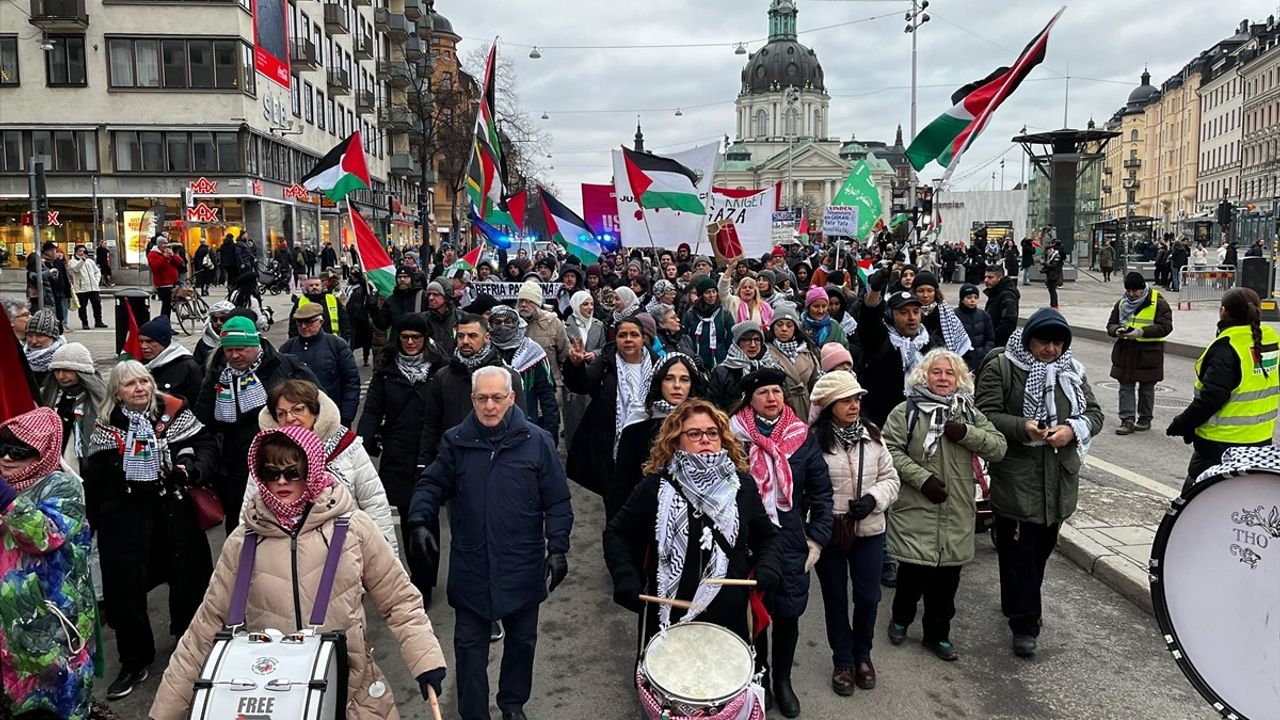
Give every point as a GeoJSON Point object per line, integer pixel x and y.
{"type": "Point", "coordinates": [768, 456]}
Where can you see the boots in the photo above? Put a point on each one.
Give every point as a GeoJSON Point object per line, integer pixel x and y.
{"type": "Point", "coordinates": [786, 633]}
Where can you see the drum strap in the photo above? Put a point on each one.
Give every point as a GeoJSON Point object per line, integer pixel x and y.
{"type": "Point", "coordinates": [240, 596]}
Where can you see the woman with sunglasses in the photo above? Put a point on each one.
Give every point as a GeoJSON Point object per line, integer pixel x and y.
{"type": "Point", "coordinates": [293, 519]}
{"type": "Point", "coordinates": [46, 596]}
{"type": "Point", "coordinates": [146, 452]}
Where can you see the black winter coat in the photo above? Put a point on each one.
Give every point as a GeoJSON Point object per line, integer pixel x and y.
{"type": "Point", "coordinates": [1133, 361]}
{"type": "Point", "coordinates": [330, 358]}
{"type": "Point", "coordinates": [633, 452]}
{"type": "Point", "coordinates": [449, 402]}
{"type": "Point", "coordinates": [1002, 308]}
{"type": "Point", "coordinates": [182, 377]}
{"type": "Point", "coordinates": [981, 333]}
{"type": "Point", "coordinates": [631, 551]}
{"type": "Point", "coordinates": [1220, 375]}
{"type": "Point", "coordinates": [508, 509]}
{"type": "Point", "coordinates": [328, 257]}
{"type": "Point", "coordinates": [590, 459]}
{"type": "Point", "coordinates": [391, 426]}
{"type": "Point", "coordinates": [401, 302]}
{"type": "Point", "coordinates": [879, 367]}
{"type": "Point", "coordinates": [440, 328]}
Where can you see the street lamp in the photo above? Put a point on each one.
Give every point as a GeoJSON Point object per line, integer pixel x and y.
{"type": "Point", "coordinates": [790, 97]}
{"type": "Point", "coordinates": [535, 53]}
{"type": "Point", "coordinates": [915, 18]}
{"type": "Point", "coordinates": [678, 113]}
{"type": "Point", "coordinates": [741, 49]}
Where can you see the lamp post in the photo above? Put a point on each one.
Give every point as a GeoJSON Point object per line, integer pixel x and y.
{"type": "Point", "coordinates": [915, 18]}
{"type": "Point", "coordinates": [790, 97]}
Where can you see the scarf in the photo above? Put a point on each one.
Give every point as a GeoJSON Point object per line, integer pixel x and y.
{"type": "Point", "coordinates": [525, 355]}
{"type": "Point", "coordinates": [142, 449]}
{"type": "Point", "coordinates": [632, 387]}
{"type": "Point", "coordinates": [1039, 400]}
{"type": "Point", "coordinates": [318, 479]}
{"type": "Point", "coordinates": [850, 435]}
{"type": "Point", "coordinates": [737, 359]}
{"type": "Point", "coordinates": [818, 329]}
{"type": "Point", "coordinates": [40, 358]}
{"type": "Point", "coordinates": [40, 428]}
{"type": "Point", "coordinates": [171, 352]}
{"type": "Point", "coordinates": [706, 323]}
{"type": "Point", "coordinates": [937, 409]}
{"type": "Point", "coordinates": [1129, 306]}
{"type": "Point", "coordinates": [768, 456]}
{"type": "Point", "coordinates": [909, 349]}
{"type": "Point", "coordinates": [238, 392]}
{"type": "Point", "coordinates": [481, 357]}
{"type": "Point", "coordinates": [953, 332]}
{"type": "Point", "coordinates": [508, 337]}
{"type": "Point", "coordinates": [710, 484]}
{"type": "Point", "coordinates": [415, 368]}
{"type": "Point", "coordinates": [788, 347]}
{"type": "Point", "coordinates": [579, 324]}
{"type": "Point", "coordinates": [632, 304]}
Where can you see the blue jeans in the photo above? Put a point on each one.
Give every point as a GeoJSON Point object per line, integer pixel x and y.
{"type": "Point", "coordinates": [851, 643]}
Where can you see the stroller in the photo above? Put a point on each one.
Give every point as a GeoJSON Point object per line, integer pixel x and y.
{"type": "Point", "coordinates": [275, 279]}
{"type": "Point", "coordinates": [246, 295]}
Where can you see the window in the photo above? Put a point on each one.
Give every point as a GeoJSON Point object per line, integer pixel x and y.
{"type": "Point", "coordinates": [159, 152]}
{"type": "Point", "coordinates": [446, 81]}
{"type": "Point", "coordinates": [179, 153]}
{"type": "Point", "coordinates": [228, 152]}
{"type": "Point", "coordinates": [128, 153]}
{"type": "Point", "coordinates": [295, 96]}
{"type": "Point", "coordinates": [226, 66]}
{"type": "Point", "coordinates": [152, 151]}
{"type": "Point", "coordinates": [320, 110]}
{"type": "Point", "coordinates": [200, 63]}
{"type": "Point", "coordinates": [173, 55]}
{"type": "Point", "coordinates": [121, 54]}
{"type": "Point", "coordinates": [11, 159]}
{"type": "Point", "coordinates": [308, 98]}
{"type": "Point", "coordinates": [8, 60]}
{"type": "Point", "coordinates": [64, 64]}
{"type": "Point", "coordinates": [762, 124]}
{"type": "Point", "coordinates": [64, 149]}
{"type": "Point", "coordinates": [204, 152]}
{"type": "Point", "coordinates": [1133, 136]}
{"type": "Point", "coordinates": [61, 150]}
{"type": "Point", "coordinates": [249, 76]}
{"type": "Point", "coordinates": [333, 127]}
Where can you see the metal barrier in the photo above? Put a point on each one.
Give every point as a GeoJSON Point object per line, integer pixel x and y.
{"type": "Point", "coordinates": [1204, 284]}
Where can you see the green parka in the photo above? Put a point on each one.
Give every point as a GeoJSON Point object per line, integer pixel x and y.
{"type": "Point", "coordinates": [920, 531]}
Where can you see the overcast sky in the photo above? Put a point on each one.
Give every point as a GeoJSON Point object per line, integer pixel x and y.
{"type": "Point", "coordinates": [867, 66]}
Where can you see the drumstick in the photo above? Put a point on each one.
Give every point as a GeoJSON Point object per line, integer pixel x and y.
{"type": "Point", "coordinates": [731, 582]}
{"type": "Point", "coordinates": [683, 604]}
{"type": "Point", "coordinates": [435, 703]}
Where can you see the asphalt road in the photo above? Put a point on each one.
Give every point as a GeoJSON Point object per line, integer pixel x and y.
{"type": "Point", "coordinates": [1100, 657]}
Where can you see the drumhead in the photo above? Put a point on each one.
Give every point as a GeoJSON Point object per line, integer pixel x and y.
{"type": "Point", "coordinates": [1215, 586]}
{"type": "Point", "coordinates": [698, 662]}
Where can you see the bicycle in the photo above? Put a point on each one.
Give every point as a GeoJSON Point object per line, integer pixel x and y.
{"type": "Point", "coordinates": [189, 307]}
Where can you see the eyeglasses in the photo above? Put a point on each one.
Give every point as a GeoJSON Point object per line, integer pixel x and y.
{"type": "Point", "coordinates": [289, 474]}
{"type": "Point", "coordinates": [295, 411]}
{"type": "Point", "coordinates": [18, 451]}
{"type": "Point", "coordinates": [752, 339]}
{"type": "Point", "coordinates": [412, 337]}
{"type": "Point", "coordinates": [310, 321]}
{"type": "Point", "coordinates": [699, 434]}
{"type": "Point", "coordinates": [488, 399]}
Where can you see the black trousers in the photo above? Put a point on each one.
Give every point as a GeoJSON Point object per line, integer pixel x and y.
{"type": "Point", "coordinates": [1204, 455]}
{"type": "Point", "coordinates": [1024, 549]}
{"type": "Point", "coordinates": [786, 633]}
{"type": "Point", "coordinates": [471, 653]}
{"type": "Point", "coordinates": [851, 642]}
{"type": "Point", "coordinates": [87, 298]}
{"type": "Point", "coordinates": [166, 300]}
{"type": "Point", "coordinates": [937, 585]}
{"type": "Point", "coordinates": [1052, 285]}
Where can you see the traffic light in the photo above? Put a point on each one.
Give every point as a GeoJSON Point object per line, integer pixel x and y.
{"type": "Point", "coordinates": [1226, 213]}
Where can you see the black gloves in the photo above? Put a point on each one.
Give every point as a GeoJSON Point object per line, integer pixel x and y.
{"type": "Point", "coordinates": [861, 507]}
{"type": "Point", "coordinates": [557, 568]}
{"type": "Point", "coordinates": [954, 430]}
{"type": "Point", "coordinates": [433, 679]}
{"type": "Point", "coordinates": [1175, 429]}
{"type": "Point", "coordinates": [934, 490]}
{"type": "Point", "coordinates": [422, 544]}
{"type": "Point", "coordinates": [627, 594]}
{"type": "Point", "coordinates": [767, 579]}
{"type": "Point", "coordinates": [878, 280]}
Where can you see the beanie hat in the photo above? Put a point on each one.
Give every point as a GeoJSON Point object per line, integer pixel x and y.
{"type": "Point", "coordinates": [483, 303]}
{"type": "Point", "coordinates": [158, 329]}
{"type": "Point", "coordinates": [435, 287]}
{"type": "Point", "coordinates": [1048, 325]}
{"type": "Point", "coordinates": [924, 277]}
{"type": "Point", "coordinates": [777, 251]}
{"type": "Point", "coordinates": [240, 332]}
{"type": "Point", "coordinates": [785, 311]}
{"type": "Point", "coordinates": [415, 322]}
{"type": "Point", "coordinates": [704, 283]}
{"type": "Point", "coordinates": [968, 289]}
{"type": "Point", "coordinates": [222, 307]}
{"type": "Point", "coordinates": [764, 377]}
{"type": "Point", "coordinates": [833, 354]}
{"type": "Point", "coordinates": [72, 356]}
{"type": "Point", "coordinates": [831, 387]}
{"type": "Point", "coordinates": [1134, 281]}
{"type": "Point", "coordinates": [815, 293]}
{"type": "Point", "coordinates": [530, 291]}
{"type": "Point", "coordinates": [703, 259]}
{"type": "Point", "coordinates": [647, 323]}
{"type": "Point", "coordinates": [767, 275]}
{"type": "Point", "coordinates": [744, 327]}
{"type": "Point", "coordinates": [244, 313]}
{"type": "Point", "coordinates": [44, 322]}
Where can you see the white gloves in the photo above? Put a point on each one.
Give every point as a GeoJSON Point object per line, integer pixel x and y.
{"type": "Point", "coordinates": [814, 551]}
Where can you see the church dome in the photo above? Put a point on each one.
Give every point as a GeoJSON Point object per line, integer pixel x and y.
{"type": "Point", "coordinates": [441, 24]}
{"type": "Point", "coordinates": [1142, 95]}
{"type": "Point", "coordinates": [783, 61]}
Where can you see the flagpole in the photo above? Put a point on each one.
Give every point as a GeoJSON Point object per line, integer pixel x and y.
{"type": "Point", "coordinates": [364, 272]}
{"type": "Point", "coordinates": [645, 218]}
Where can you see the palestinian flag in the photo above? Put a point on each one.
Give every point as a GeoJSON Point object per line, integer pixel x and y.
{"type": "Point", "coordinates": [377, 265]}
{"type": "Point", "coordinates": [864, 270]}
{"type": "Point", "coordinates": [132, 348]}
{"type": "Point", "coordinates": [946, 138]}
{"type": "Point", "coordinates": [516, 205]}
{"type": "Point", "coordinates": [569, 230]}
{"type": "Point", "coordinates": [467, 262]}
{"type": "Point", "coordinates": [18, 393]}
{"type": "Point", "coordinates": [340, 171]}
{"type": "Point", "coordinates": [659, 182]}
{"type": "Point", "coordinates": [485, 189]}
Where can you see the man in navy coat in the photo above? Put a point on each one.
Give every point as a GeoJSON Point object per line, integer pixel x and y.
{"type": "Point", "coordinates": [510, 518]}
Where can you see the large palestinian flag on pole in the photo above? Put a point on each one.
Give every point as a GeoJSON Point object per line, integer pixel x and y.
{"type": "Point", "coordinates": [340, 171]}
{"type": "Point", "coordinates": [569, 230]}
{"type": "Point", "coordinates": [953, 132]}
{"type": "Point", "coordinates": [485, 187]}
{"type": "Point", "coordinates": [660, 182]}
{"type": "Point", "coordinates": [378, 268]}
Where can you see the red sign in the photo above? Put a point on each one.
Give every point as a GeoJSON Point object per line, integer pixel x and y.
{"type": "Point", "coordinates": [271, 39]}
{"type": "Point", "coordinates": [51, 220]}
{"type": "Point", "coordinates": [257, 187]}
{"type": "Point", "coordinates": [202, 214]}
{"type": "Point", "coordinates": [600, 208]}
{"type": "Point", "coordinates": [296, 191]}
{"type": "Point", "coordinates": [204, 186]}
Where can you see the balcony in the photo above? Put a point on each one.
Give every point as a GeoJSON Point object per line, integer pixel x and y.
{"type": "Point", "coordinates": [413, 9]}
{"type": "Point", "coordinates": [395, 119]}
{"type": "Point", "coordinates": [59, 15]}
{"type": "Point", "coordinates": [401, 74]}
{"type": "Point", "coordinates": [335, 19]}
{"type": "Point", "coordinates": [1106, 189]}
{"type": "Point", "coordinates": [416, 134]}
{"type": "Point", "coordinates": [381, 19]}
{"type": "Point", "coordinates": [302, 55]}
{"type": "Point", "coordinates": [382, 70]}
{"type": "Point", "coordinates": [364, 102]}
{"type": "Point", "coordinates": [429, 178]}
{"type": "Point", "coordinates": [405, 166]}
{"type": "Point", "coordinates": [423, 68]}
{"type": "Point", "coordinates": [1133, 163]}
{"type": "Point", "coordinates": [425, 26]}
{"type": "Point", "coordinates": [339, 82]}
{"type": "Point", "coordinates": [1130, 183]}
{"type": "Point", "coordinates": [363, 48]}
{"type": "Point", "coordinates": [398, 26]}
{"type": "Point", "coordinates": [412, 48]}
{"type": "Point", "coordinates": [1106, 170]}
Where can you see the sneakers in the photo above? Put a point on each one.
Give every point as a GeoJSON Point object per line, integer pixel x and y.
{"type": "Point", "coordinates": [1127, 427]}
{"type": "Point", "coordinates": [496, 632]}
{"type": "Point", "coordinates": [126, 682]}
{"type": "Point", "coordinates": [842, 680]}
{"type": "Point", "coordinates": [1024, 646]}
{"type": "Point", "coordinates": [943, 649]}
{"type": "Point", "coordinates": [1142, 426]}
{"type": "Point", "coordinates": [897, 633]}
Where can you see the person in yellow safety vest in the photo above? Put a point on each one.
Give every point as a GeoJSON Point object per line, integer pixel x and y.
{"type": "Point", "coordinates": [336, 321]}
{"type": "Point", "coordinates": [1141, 322]}
{"type": "Point", "coordinates": [1237, 386]}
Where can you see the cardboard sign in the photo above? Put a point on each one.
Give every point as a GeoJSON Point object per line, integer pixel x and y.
{"type": "Point", "coordinates": [725, 242]}
{"type": "Point", "coordinates": [840, 220]}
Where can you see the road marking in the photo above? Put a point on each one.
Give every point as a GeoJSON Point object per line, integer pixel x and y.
{"type": "Point", "coordinates": [1158, 488]}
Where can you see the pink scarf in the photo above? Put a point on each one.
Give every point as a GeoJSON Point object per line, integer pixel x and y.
{"type": "Point", "coordinates": [766, 311]}
{"type": "Point", "coordinates": [768, 456]}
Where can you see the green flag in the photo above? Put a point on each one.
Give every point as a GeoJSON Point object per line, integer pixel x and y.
{"type": "Point", "coordinates": [858, 190]}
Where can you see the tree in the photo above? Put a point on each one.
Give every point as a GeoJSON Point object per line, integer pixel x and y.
{"type": "Point", "coordinates": [525, 143]}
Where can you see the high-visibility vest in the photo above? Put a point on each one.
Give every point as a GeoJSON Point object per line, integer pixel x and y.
{"type": "Point", "coordinates": [331, 306]}
{"type": "Point", "coordinates": [1250, 414]}
{"type": "Point", "coordinates": [1145, 317]}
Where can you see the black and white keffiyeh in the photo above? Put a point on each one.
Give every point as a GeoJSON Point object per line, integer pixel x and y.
{"type": "Point", "coordinates": [415, 368]}
{"type": "Point", "coordinates": [142, 461]}
{"type": "Point", "coordinates": [633, 386]}
{"type": "Point", "coordinates": [737, 359]}
{"type": "Point", "coordinates": [710, 484]}
{"type": "Point", "coordinates": [1039, 400]}
{"type": "Point", "coordinates": [911, 350]}
{"type": "Point", "coordinates": [850, 435]}
{"type": "Point", "coordinates": [936, 410]}
{"type": "Point", "coordinates": [789, 348]}
{"type": "Point", "coordinates": [40, 358]}
{"type": "Point", "coordinates": [953, 332]}
{"type": "Point", "coordinates": [481, 357]}
{"type": "Point", "coordinates": [238, 392]}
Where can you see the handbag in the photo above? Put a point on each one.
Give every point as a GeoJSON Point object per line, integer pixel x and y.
{"type": "Point", "coordinates": [843, 526]}
{"type": "Point", "coordinates": [209, 512]}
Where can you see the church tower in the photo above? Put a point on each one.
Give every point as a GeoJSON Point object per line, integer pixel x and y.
{"type": "Point", "coordinates": [763, 115]}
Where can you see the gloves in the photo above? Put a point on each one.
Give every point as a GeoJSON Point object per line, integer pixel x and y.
{"type": "Point", "coordinates": [433, 679]}
{"type": "Point", "coordinates": [934, 490]}
{"type": "Point", "coordinates": [374, 449]}
{"type": "Point", "coordinates": [767, 579]}
{"type": "Point", "coordinates": [422, 544]}
{"type": "Point", "coordinates": [878, 280]}
{"type": "Point", "coordinates": [954, 430]}
{"type": "Point", "coordinates": [815, 550]}
{"type": "Point", "coordinates": [627, 594]}
{"type": "Point", "coordinates": [557, 568]}
{"type": "Point", "coordinates": [862, 507]}
{"type": "Point", "coordinates": [1175, 429]}
{"type": "Point", "coordinates": [1132, 334]}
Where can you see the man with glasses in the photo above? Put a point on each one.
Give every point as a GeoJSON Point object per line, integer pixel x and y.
{"type": "Point", "coordinates": [329, 357]}
{"type": "Point", "coordinates": [336, 321]}
{"type": "Point", "coordinates": [509, 508]}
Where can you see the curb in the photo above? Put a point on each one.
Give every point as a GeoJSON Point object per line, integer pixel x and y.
{"type": "Point", "coordinates": [1116, 572]}
{"type": "Point", "coordinates": [1171, 347]}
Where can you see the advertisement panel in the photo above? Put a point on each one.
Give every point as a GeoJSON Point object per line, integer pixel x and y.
{"type": "Point", "coordinates": [600, 208]}
{"type": "Point", "coordinates": [271, 40]}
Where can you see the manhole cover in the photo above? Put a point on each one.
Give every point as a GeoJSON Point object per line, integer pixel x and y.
{"type": "Point", "coordinates": [1172, 403]}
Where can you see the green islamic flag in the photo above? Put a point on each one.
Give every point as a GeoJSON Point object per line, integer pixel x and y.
{"type": "Point", "coordinates": [859, 191]}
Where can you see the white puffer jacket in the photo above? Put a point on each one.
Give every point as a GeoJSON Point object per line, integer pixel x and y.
{"type": "Point", "coordinates": [85, 274]}
{"type": "Point", "coordinates": [353, 468]}
{"type": "Point", "coordinates": [879, 479]}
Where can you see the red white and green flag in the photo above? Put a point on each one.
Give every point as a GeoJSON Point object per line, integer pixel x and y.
{"type": "Point", "coordinates": [132, 348]}
{"type": "Point", "coordinates": [953, 132]}
{"type": "Point", "coordinates": [466, 262]}
{"type": "Point", "coordinates": [378, 268]}
{"type": "Point", "coordinates": [864, 270]}
{"type": "Point", "coordinates": [340, 171]}
{"type": "Point", "coordinates": [570, 231]}
{"type": "Point", "coordinates": [485, 188]}
{"type": "Point", "coordinates": [660, 182]}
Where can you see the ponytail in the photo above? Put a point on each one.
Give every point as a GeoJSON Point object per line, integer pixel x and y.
{"type": "Point", "coordinates": [1255, 324]}
{"type": "Point", "coordinates": [1243, 307]}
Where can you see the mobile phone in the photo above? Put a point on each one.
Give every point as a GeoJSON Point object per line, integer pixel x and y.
{"type": "Point", "coordinates": [1043, 424]}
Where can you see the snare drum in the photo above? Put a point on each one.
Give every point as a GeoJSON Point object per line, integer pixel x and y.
{"type": "Point", "coordinates": [271, 676]}
{"type": "Point", "coordinates": [1215, 585]}
{"type": "Point", "coordinates": [700, 670]}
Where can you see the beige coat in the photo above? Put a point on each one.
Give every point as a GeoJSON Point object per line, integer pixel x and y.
{"type": "Point", "coordinates": [802, 373]}
{"type": "Point", "coordinates": [368, 566]}
{"type": "Point", "coordinates": [546, 329]}
{"type": "Point", "coordinates": [879, 479]}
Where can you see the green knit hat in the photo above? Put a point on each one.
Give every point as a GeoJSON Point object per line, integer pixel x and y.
{"type": "Point", "coordinates": [240, 332]}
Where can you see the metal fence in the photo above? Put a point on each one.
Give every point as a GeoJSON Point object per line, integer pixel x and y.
{"type": "Point", "coordinates": [1205, 284]}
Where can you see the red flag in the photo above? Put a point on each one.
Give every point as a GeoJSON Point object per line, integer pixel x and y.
{"type": "Point", "coordinates": [472, 258]}
{"type": "Point", "coordinates": [132, 349]}
{"type": "Point", "coordinates": [804, 225]}
{"type": "Point", "coordinates": [516, 209]}
{"type": "Point", "coordinates": [15, 397]}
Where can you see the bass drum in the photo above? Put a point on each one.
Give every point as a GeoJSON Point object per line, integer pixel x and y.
{"type": "Point", "coordinates": [1215, 584]}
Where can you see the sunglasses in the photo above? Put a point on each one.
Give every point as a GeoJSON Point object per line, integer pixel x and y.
{"type": "Point", "coordinates": [18, 451]}
{"type": "Point", "coordinates": [289, 474]}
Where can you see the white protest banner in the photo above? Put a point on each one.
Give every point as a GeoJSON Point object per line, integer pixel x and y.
{"type": "Point", "coordinates": [751, 214]}
{"type": "Point", "coordinates": [507, 291]}
{"type": "Point", "coordinates": [840, 220]}
{"type": "Point", "coordinates": [784, 228]}
{"type": "Point", "coordinates": [668, 228]}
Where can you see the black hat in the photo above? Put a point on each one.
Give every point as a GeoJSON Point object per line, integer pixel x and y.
{"type": "Point", "coordinates": [483, 303]}
{"type": "Point", "coordinates": [903, 298]}
{"type": "Point", "coordinates": [411, 321]}
{"type": "Point", "coordinates": [1134, 281]}
{"type": "Point", "coordinates": [968, 289]}
{"type": "Point", "coordinates": [764, 377]}
{"type": "Point", "coordinates": [1048, 325]}
{"type": "Point", "coordinates": [924, 277]}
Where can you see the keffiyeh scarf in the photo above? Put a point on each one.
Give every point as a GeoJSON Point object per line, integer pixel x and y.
{"type": "Point", "coordinates": [40, 358]}
{"type": "Point", "coordinates": [481, 357]}
{"type": "Point", "coordinates": [788, 347]}
{"type": "Point", "coordinates": [937, 410]}
{"type": "Point", "coordinates": [632, 387]}
{"type": "Point", "coordinates": [142, 451]}
{"type": "Point", "coordinates": [415, 368]}
{"type": "Point", "coordinates": [1129, 306]}
{"type": "Point", "coordinates": [738, 360]}
{"type": "Point", "coordinates": [953, 332]}
{"type": "Point", "coordinates": [1039, 400]}
{"type": "Point", "coordinates": [706, 324]}
{"type": "Point", "coordinates": [238, 392]}
{"type": "Point", "coordinates": [769, 454]}
{"type": "Point", "coordinates": [708, 482]}
{"type": "Point", "coordinates": [909, 349]}
{"type": "Point", "coordinates": [850, 435]}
